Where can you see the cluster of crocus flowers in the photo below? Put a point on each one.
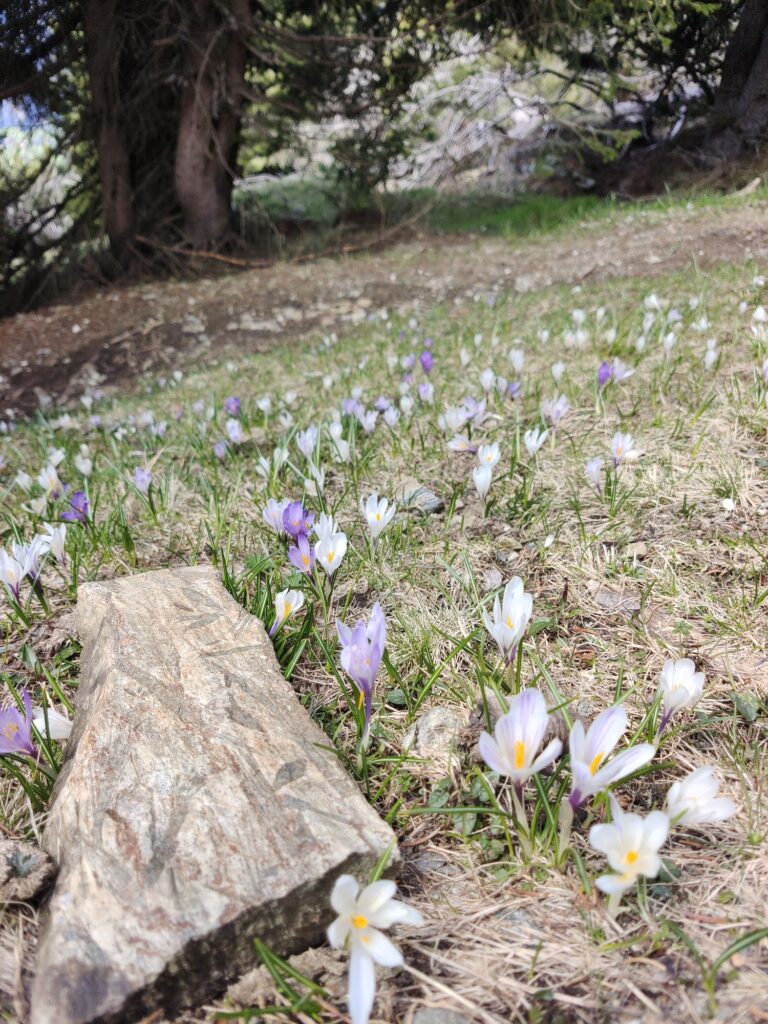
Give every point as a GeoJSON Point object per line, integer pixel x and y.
{"type": "Point", "coordinates": [362, 918]}
{"type": "Point", "coordinates": [362, 649]}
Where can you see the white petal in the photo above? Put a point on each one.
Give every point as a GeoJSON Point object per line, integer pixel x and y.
{"type": "Point", "coordinates": [615, 883]}
{"type": "Point", "coordinates": [395, 912]}
{"type": "Point", "coordinates": [338, 931]}
{"type": "Point", "coordinates": [378, 946]}
{"type": "Point", "coordinates": [656, 830]}
{"type": "Point", "coordinates": [491, 754]}
{"type": "Point", "coordinates": [625, 763]}
{"type": "Point", "coordinates": [547, 756]}
{"type": "Point", "coordinates": [362, 986]}
{"type": "Point", "coordinates": [344, 894]}
{"type": "Point", "coordinates": [375, 896]}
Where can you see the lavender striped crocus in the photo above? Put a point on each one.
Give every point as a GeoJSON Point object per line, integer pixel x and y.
{"type": "Point", "coordinates": [362, 649]}
{"type": "Point", "coordinates": [302, 555]}
{"type": "Point", "coordinates": [16, 729]}
{"type": "Point", "coordinates": [232, 405]}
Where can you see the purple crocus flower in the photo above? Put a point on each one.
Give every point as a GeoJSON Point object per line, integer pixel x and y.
{"type": "Point", "coordinates": [604, 374]}
{"type": "Point", "coordinates": [514, 389]}
{"type": "Point", "coordinates": [362, 649]}
{"type": "Point", "coordinates": [142, 478]}
{"type": "Point", "coordinates": [427, 361]}
{"type": "Point", "coordinates": [302, 555]}
{"type": "Point", "coordinates": [382, 403]}
{"type": "Point", "coordinates": [232, 405]}
{"type": "Point", "coordinates": [220, 449]}
{"type": "Point", "coordinates": [78, 509]}
{"type": "Point", "coordinates": [16, 729]}
{"type": "Point", "coordinates": [297, 521]}
{"type": "Point", "coordinates": [350, 406]}
{"type": "Point", "coordinates": [408, 362]}
{"type": "Point", "coordinates": [428, 343]}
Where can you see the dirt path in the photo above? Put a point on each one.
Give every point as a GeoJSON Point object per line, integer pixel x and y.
{"type": "Point", "coordinates": [114, 336]}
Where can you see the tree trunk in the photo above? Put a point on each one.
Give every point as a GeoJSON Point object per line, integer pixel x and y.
{"type": "Point", "coordinates": [739, 120]}
{"type": "Point", "coordinates": [209, 122]}
{"type": "Point", "coordinates": [102, 56]}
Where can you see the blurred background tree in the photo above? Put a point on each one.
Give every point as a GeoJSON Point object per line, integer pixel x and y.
{"type": "Point", "coordinates": [126, 124]}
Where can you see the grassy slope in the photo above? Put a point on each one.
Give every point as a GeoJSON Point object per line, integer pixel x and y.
{"type": "Point", "coordinates": [511, 938]}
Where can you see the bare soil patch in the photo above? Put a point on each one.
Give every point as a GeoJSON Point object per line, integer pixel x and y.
{"type": "Point", "coordinates": [114, 337]}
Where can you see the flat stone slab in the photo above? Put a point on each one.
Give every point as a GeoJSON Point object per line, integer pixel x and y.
{"type": "Point", "coordinates": [195, 812]}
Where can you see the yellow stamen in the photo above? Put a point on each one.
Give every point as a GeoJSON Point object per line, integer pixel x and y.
{"type": "Point", "coordinates": [360, 699]}
{"type": "Point", "coordinates": [510, 623]}
{"type": "Point", "coordinates": [305, 559]}
{"type": "Point", "coordinates": [358, 921]}
{"type": "Point", "coordinates": [596, 763]}
{"type": "Point", "coordinates": [519, 754]}
{"type": "Point", "coordinates": [10, 731]}
{"type": "Point", "coordinates": [631, 857]}
{"type": "Point", "coordinates": [330, 556]}
{"type": "Point", "coordinates": [378, 517]}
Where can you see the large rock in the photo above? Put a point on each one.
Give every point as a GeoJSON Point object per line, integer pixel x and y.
{"type": "Point", "coordinates": [196, 810]}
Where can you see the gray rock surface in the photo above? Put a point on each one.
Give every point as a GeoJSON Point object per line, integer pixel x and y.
{"type": "Point", "coordinates": [196, 809]}
{"type": "Point", "coordinates": [411, 494]}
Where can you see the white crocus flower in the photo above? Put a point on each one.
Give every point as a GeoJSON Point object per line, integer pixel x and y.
{"type": "Point", "coordinates": [341, 448]}
{"type": "Point", "coordinates": [513, 748]}
{"type": "Point", "coordinates": [622, 448]}
{"type": "Point", "coordinates": [694, 800]}
{"type": "Point", "coordinates": [362, 916]}
{"type": "Point", "coordinates": [11, 572]}
{"type": "Point", "coordinates": [460, 443]}
{"type": "Point", "coordinates": [534, 439]}
{"type": "Point", "coordinates": [593, 471]}
{"type": "Point", "coordinates": [83, 461]}
{"type": "Point", "coordinates": [487, 379]}
{"type": "Point", "coordinates": [557, 370]}
{"type": "Point", "coordinates": [56, 456]}
{"type": "Point", "coordinates": [378, 513]}
{"type": "Point", "coordinates": [330, 551]}
{"type": "Point", "coordinates": [287, 603]}
{"type": "Point", "coordinates": [482, 478]}
{"type": "Point", "coordinates": [517, 358]}
{"type": "Point", "coordinates": [631, 845]}
{"type": "Point", "coordinates": [306, 441]}
{"type": "Point", "coordinates": [48, 479]}
{"type": "Point", "coordinates": [589, 750]}
{"type": "Point", "coordinates": [510, 617]}
{"type": "Point", "coordinates": [489, 454]}
{"type": "Point", "coordinates": [273, 514]}
{"type": "Point", "coordinates": [680, 685]}
{"type": "Point", "coordinates": [391, 416]}
{"type": "Point", "coordinates": [53, 540]}
{"type": "Point", "coordinates": [553, 409]}
{"type": "Point", "coordinates": [59, 726]}
{"type": "Point", "coordinates": [454, 417]}
{"type": "Point", "coordinates": [23, 480]}
{"type": "Point", "coordinates": [325, 527]}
